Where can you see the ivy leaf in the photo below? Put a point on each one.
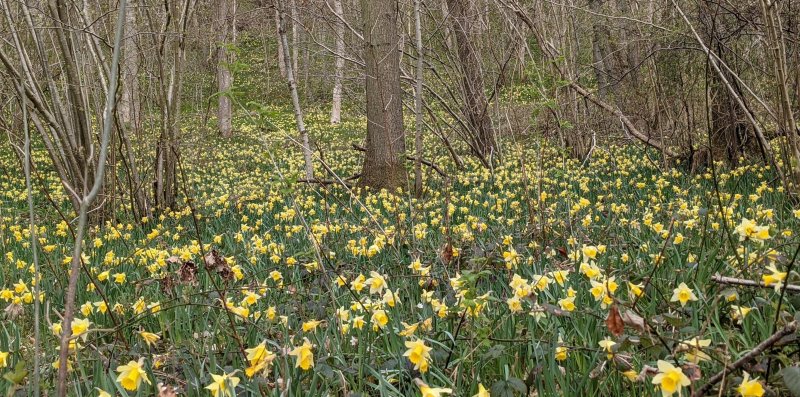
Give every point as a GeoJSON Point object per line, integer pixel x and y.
{"type": "Point", "coordinates": [18, 375]}
{"type": "Point", "coordinates": [509, 388]}
{"type": "Point", "coordinates": [791, 378]}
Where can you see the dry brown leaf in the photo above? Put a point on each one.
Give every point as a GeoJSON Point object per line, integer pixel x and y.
{"type": "Point", "coordinates": [614, 322]}
{"type": "Point", "coordinates": [634, 321]}
{"type": "Point", "coordinates": [216, 262]}
{"type": "Point", "coordinates": [167, 391]}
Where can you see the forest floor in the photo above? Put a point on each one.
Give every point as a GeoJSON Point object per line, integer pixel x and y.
{"type": "Point", "coordinates": [542, 276]}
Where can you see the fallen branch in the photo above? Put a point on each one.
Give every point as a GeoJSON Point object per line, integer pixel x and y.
{"type": "Point", "coordinates": [787, 329]}
{"type": "Point", "coordinates": [629, 125]}
{"type": "Point", "coordinates": [749, 283]}
{"type": "Point", "coordinates": [412, 158]}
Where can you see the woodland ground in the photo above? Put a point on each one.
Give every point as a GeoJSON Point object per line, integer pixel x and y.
{"type": "Point", "coordinates": [501, 279]}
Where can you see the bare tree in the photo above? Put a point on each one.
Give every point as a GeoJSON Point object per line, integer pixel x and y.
{"type": "Point", "coordinates": [170, 42]}
{"type": "Point", "coordinates": [786, 121]}
{"type": "Point", "coordinates": [298, 111]}
{"type": "Point", "coordinates": [385, 144]}
{"type": "Point", "coordinates": [419, 82]}
{"type": "Point", "coordinates": [475, 106]}
{"type": "Point", "coordinates": [225, 35]}
{"type": "Point", "coordinates": [129, 106]}
{"type": "Point", "coordinates": [338, 74]}
{"type": "Point", "coordinates": [88, 195]}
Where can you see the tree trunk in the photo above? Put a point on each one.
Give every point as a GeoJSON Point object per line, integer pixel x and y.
{"type": "Point", "coordinates": [298, 111]}
{"type": "Point", "coordinates": [728, 127]}
{"type": "Point", "coordinates": [224, 75]}
{"type": "Point", "coordinates": [167, 149]}
{"type": "Point", "coordinates": [599, 49]}
{"type": "Point", "coordinates": [418, 99]}
{"type": "Point", "coordinates": [385, 144]}
{"type": "Point", "coordinates": [338, 74]}
{"type": "Point", "coordinates": [295, 38]}
{"type": "Point", "coordinates": [129, 103]}
{"type": "Point", "coordinates": [476, 108]}
{"type": "Point", "coordinates": [281, 55]}
{"type": "Point", "coordinates": [786, 121]}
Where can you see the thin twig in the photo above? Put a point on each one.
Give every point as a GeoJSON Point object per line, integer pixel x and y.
{"type": "Point", "coordinates": [749, 283]}
{"type": "Point", "coordinates": [760, 348]}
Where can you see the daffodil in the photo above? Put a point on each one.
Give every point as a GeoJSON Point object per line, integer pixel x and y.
{"type": "Point", "coordinates": [311, 325]}
{"type": "Point", "coordinates": [418, 354]}
{"type": "Point", "coordinates": [670, 379]}
{"type": "Point", "coordinates": [3, 359]}
{"type": "Point", "coordinates": [738, 313]}
{"type": "Point", "coordinates": [683, 294]}
{"type": "Point", "coordinates": [750, 387]}
{"type": "Point", "coordinates": [259, 358]}
{"type": "Point", "coordinates": [223, 385]}
{"type": "Point", "coordinates": [376, 282]}
{"type": "Point", "coordinates": [379, 319]}
{"type": "Point", "coordinates": [428, 391]}
{"type": "Point", "coordinates": [304, 355]}
{"type": "Point", "coordinates": [149, 338]}
{"type": "Point", "coordinates": [749, 230]}
{"type": "Point", "coordinates": [132, 374]}
{"type": "Point", "coordinates": [102, 393]}
{"type": "Point", "coordinates": [482, 392]}
{"type": "Point", "coordinates": [79, 327]}
{"type": "Point", "coordinates": [775, 278]}
{"type": "Point", "coordinates": [692, 349]}
{"type": "Point", "coordinates": [607, 344]}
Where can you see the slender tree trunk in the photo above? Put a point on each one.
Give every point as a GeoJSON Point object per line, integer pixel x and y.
{"type": "Point", "coordinates": [476, 109]}
{"type": "Point", "coordinates": [599, 52]}
{"type": "Point", "coordinates": [418, 99]}
{"type": "Point", "coordinates": [338, 74]}
{"type": "Point", "coordinates": [295, 38]}
{"type": "Point", "coordinates": [385, 144]}
{"type": "Point", "coordinates": [129, 103]}
{"type": "Point", "coordinates": [167, 150]}
{"type": "Point", "coordinates": [298, 111]}
{"type": "Point", "coordinates": [786, 120]}
{"type": "Point", "coordinates": [224, 75]}
{"type": "Point", "coordinates": [281, 55]}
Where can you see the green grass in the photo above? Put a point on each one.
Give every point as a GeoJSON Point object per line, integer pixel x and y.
{"type": "Point", "coordinates": [259, 221]}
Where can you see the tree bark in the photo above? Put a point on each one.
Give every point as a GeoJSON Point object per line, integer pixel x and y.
{"type": "Point", "coordinates": [224, 75]}
{"type": "Point", "coordinates": [476, 108]}
{"type": "Point", "coordinates": [298, 111]}
{"type": "Point", "coordinates": [167, 149]}
{"type": "Point", "coordinates": [420, 75]}
{"type": "Point", "coordinates": [338, 74]}
{"type": "Point", "coordinates": [281, 55]}
{"type": "Point", "coordinates": [599, 49]}
{"type": "Point", "coordinates": [129, 103]}
{"type": "Point", "coordinates": [786, 121]}
{"type": "Point", "coordinates": [385, 144]}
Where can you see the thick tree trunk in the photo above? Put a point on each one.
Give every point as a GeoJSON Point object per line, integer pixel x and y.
{"type": "Point", "coordinates": [338, 74]}
{"type": "Point", "coordinates": [476, 108]}
{"type": "Point", "coordinates": [224, 75]}
{"type": "Point", "coordinates": [385, 145]}
{"type": "Point", "coordinates": [298, 111]}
